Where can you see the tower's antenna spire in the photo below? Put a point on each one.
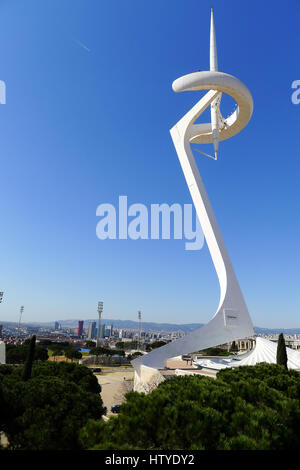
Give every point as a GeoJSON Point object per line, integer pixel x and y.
{"type": "Point", "coordinates": [213, 59]}
{"type": "Point", "coordinates": [213, 63]}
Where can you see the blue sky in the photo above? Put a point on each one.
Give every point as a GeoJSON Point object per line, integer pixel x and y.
{"type": "Point", "coordinates": [87, 118]}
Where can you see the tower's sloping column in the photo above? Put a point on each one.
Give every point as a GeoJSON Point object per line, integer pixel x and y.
{"type": "Point", "coordinates": [231, 320]}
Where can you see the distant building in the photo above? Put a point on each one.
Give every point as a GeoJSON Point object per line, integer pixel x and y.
{"type": "Point", "coordinates": [80, 328]}
{"type": "Point", "coordinates": [108, 331]}
{"type": "Point", "coordinates": [1, 328]}
{"type": "Point", "coordinates": [245, 344]}
{"type": "Point", "coordinates": [56, 326]}
{"type": "Point", "coordinates": [92, 330]}
{"type": "Point", "coordinates": [2, 353]}
{"type": "Point", "coordinates": [102, 331]}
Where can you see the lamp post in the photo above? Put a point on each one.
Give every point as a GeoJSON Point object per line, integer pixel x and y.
{"type": "Point", "coordinates": [100, 310]}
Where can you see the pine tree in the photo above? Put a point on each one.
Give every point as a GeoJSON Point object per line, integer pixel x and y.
{"type": "Point", "coordinates": [29, 359]}
{"type": "Point", "coordinates": [281, 357]}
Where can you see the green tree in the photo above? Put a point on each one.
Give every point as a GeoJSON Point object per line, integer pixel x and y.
{"type": "Point", "coordinates": [27, 341]}
{"type": "Point", "coordinates": [214, 352]}
{"type": "Point", "coordinates": [71, 353]}
{"type": "Point", "coordinates": [70, 372]}
{"type": "Point", "coordinates": [157, 344]}
{"type": "Point", "coordinates": [47, 411]}
{"type": "Point", "coordinates": [18, 354]}
{"type": "Point", "coordinates": [233, 347]}
{"type": "Point", "coordinates": [77, 354]}
{"type": "Point", "coordinates": [45, 342]}
{"type": "Point", "coordinates": [101, 351]}
{"type": "Point", "coordinates": [254, 407]}
{"type": "Point", "coordinates": [57, 352]}
{"type": "Point", "coordinates": [98, 351]}
{"type": "Point", "coordinates": [136, 354]}
{"type": "Point", "coordinates": [29, 359]}
{"type": "Point", "coordinates": [281, 357]}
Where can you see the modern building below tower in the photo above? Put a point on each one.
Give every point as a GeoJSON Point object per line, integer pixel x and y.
{"type": "Point", "coordinates": [80, 328]}
{"type": "Point", "coordinates": [92, 331]}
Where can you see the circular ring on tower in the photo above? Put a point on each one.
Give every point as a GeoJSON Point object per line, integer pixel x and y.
{"type": "Point", "coordinates": [225, 83]}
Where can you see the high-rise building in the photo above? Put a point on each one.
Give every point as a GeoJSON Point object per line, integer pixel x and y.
{"type": "Point", "coordinates": [80, 328]}
{"type": "Point", "coordinates": [1, 328]}
{"type": "Point", "coordinates": [102, 331]}
{"type": "Point", "coordinates": [108, 331]}
{"type": "Point", "coordinates": [92, 330]}
{"type": "Point", "coordinates": [56, 326]}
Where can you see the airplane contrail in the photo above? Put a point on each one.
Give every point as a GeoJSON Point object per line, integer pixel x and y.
{"type": "Point", "coordinates": [82, 45]}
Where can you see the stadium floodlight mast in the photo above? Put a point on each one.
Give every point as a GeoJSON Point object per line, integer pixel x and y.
{"type": "Point", "coordinates": [100, 310]}
{"type": "Point", "coordinates": [140, 318]}
{"type": "Point", "coordinates": [21, 313]}
{"type": "Point", "coordinates": [231, 320]}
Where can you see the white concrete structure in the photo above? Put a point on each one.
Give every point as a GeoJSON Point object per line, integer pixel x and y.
{"type": "Point", "coordinates": [232, 320]}
{"type": "Point", "coordinates": [264, 351]}
{"type": "Point", "coordinates": [2, 353]}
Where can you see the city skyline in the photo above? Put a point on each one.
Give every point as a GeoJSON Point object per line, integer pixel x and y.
{"type": "Point", "coordinates": [70, 141]}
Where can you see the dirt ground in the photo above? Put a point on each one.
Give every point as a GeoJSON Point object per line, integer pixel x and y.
{"type": "Point", "coordinates": [114, 387]}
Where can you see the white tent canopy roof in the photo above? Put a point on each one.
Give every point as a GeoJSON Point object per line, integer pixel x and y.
{"type": "Point", "coordinates": [264, 351]}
